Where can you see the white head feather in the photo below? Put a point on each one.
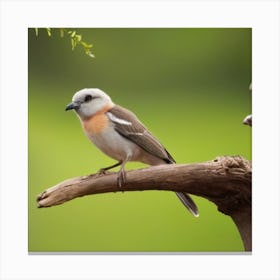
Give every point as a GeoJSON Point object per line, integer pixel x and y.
{"type": "Point", "coordinates": [89, 101]}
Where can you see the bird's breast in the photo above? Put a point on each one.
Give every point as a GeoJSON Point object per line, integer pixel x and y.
{"type": "Point", "coordinates": [101, 132]}
{"type": "Point", "coordinates": [96, 124]}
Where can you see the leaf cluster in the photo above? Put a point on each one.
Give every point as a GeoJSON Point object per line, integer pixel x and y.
{"type": "Point", "coordinates": [75, 38]}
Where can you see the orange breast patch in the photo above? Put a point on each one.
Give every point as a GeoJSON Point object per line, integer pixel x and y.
{"type": "Point", "coordinates": [95, 124]}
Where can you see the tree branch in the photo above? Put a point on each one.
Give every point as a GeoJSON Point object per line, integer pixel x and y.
{"type": "Point", "coordinates": [226, 181]}
{"type": "Point", "coordinates": [248, 119]}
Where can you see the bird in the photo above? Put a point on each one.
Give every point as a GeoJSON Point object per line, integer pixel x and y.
{"type": "Point", "coordinates": [119, 134]}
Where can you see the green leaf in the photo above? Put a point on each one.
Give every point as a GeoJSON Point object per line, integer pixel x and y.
{"type": "Point", "coordinates": [78, 37]}
{"type": "Point", "coordinates": [86, 45]}
{"type": "Point", "coordinates": [61, 30]}
{"type": "Point", "coordinates": [49, 32]}
{"type": "Point", "coordinates": [90, 54]}
{"type": "Point", "coordinates": [73, 43]}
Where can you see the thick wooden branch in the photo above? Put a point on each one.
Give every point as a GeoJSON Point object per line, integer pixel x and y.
{"type": "Point", "coordinates": [226, 181]}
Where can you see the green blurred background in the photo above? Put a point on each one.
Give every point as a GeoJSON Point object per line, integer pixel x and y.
{"type": "Point", "coordinates": [189, 86]}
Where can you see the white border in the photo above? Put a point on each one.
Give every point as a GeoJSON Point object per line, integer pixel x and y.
{"type": "Point", "coordinates": [16, 16]}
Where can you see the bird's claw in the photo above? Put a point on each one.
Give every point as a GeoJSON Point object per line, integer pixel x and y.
{"type": "Point", "coordinates": [102, 171]}
{"type": "Point", "coordinates": [121, 178]}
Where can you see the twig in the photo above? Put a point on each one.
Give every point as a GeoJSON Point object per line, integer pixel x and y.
{"type": "Point", "coordinates": [248, 119]}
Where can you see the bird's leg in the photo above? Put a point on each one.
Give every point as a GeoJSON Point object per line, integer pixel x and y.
{"type": "Point", "coordinates": [103, 170]}
{"type": "Point", "coordinates": [121, 177]}
{"type": "Point", "coordinates": [122, 174]}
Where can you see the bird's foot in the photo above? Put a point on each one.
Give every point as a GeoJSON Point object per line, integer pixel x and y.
{"type": "Point", "coordinates": [121, 178]}
{"type": "Point", "coordinates": [102, 171]}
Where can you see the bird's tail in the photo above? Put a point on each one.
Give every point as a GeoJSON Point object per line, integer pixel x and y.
{"type": "Point", "coordinates": [184, 197]}
{"type": "Point", "coordinates": [188, 202]}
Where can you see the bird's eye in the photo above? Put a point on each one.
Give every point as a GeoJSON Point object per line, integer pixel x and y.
{"type": "Point", "coordinates": [88, 98]}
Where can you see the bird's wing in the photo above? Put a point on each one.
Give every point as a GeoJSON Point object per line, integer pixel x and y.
{"type": "Point", "coordinates": [128, 125]}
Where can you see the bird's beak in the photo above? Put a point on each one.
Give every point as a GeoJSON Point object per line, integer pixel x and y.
{"type": "Point", "coordinates": [72, 106]}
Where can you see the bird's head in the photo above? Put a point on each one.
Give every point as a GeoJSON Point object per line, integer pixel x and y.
{"type": "Point", "coordinates": [89, 101]}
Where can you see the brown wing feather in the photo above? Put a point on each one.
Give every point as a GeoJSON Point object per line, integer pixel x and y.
{"type": "Point", "coordinates": [138, 134]}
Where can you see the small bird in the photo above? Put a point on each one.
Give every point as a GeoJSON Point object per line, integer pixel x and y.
{"type": "Point", "coordinates": [118, 133]}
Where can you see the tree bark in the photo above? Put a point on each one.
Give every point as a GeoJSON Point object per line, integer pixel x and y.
{"type": "Point", "coordinates": [226, 181]}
